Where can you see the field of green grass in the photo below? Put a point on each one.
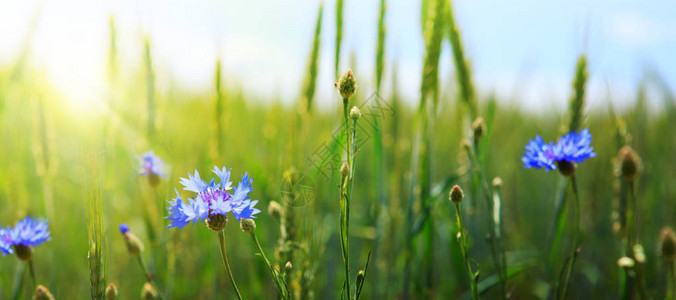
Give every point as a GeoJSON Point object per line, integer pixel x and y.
{"type": "Point", "coordinates": [80, 172]}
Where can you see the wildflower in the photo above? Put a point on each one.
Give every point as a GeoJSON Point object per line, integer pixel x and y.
{"type": "Point", "coordinates": [42, 293]}
{"type": "Point", "coordinates": [570, 149]}
{"type": "Point", "coordinates": [213, 201]}
{"type": "Point", "coordinates": [346, 85]}
{"type": "Point", "coordinates": [134, 245]}
{"type": "Point", "coordinates": [5, 247]}
{"type": "Point", "coordinates": [25, 235]}
{"type": "Point", "coordinates": [456, 194]}
{"type": "Point", "coordinates": [153, 167]}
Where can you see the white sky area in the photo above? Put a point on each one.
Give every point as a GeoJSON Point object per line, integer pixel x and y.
{"type": "Point", "coordinates": [524, 51]}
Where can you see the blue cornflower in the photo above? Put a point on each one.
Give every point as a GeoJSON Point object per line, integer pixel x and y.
{"type": "Point", "coordinates": [5, 247]}
{"type": "Point", "coordinates": [25, 234]}
{"type": "Point", "coordinates": [570, 149]}
{"type": "Point", "coordinates": [152, 164]}
{"type": "Point", "coordinates": [213, 201]}
{"type": "Point", "coordinates": [153, 167]}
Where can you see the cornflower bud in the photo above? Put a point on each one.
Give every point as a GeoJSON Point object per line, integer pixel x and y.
{"type": "Point", "coordinates": [344, 170]}
{"type": "Point", "coordinates": [355, 114]}
{"type": "Point", "coordinates": [668, 244]}
{"type": "Point", "coordinates": [456, 194]}
{"type": "Point", "coordinates": [247, 225]}
{"type": "Point", "coordinates": [148, 292]}
{"type": "Point", "coordinates": [42, 293]}
{"type": "Point", "coordinates": [625, 262]}
{"type": "Point", "coordinates": [628, 164]}
{"type": "Point", "coordinates": [479, 128]}
{"type": "Point", "coordinates": [346, 85]}
{"type": "Point", "coordinates": [111, 292]}
{"type": "Point", "coordinates": [274, 209]}
{"type": "Point", "coordinates": [134, 245]}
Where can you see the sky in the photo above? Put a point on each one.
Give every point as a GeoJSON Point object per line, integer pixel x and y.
{"type": "Point", "coordinates": [523, 51]}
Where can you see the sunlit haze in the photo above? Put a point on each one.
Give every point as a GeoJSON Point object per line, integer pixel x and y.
{"type": "Point", "coordinates": [524, 51]}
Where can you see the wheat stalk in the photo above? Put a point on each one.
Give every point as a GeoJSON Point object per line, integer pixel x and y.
{"type": "Point", "coordinates": [97, 254]}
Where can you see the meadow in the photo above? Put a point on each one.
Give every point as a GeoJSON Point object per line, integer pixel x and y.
{"type": "Point", "coordinates": [387, 211]}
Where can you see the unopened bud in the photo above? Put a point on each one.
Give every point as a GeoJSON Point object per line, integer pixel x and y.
{"type": "Point", "coordinates": [625, 262]}
{"type": "Point", "coordinates": [360, 276]}
{"type": "Point", "coordinates": [456, 194]}
{"type": "Point", "coordinates": [628, 164]}
{"type": "Point", "coordinates": [616, 227]}
{"type": "Point", "coordinates": [42, 293]}
{"type": "Point", "coordinates": [347, 85]}
{"type": "Point", "coordinates": [497, 182]}
{"type": "Point", "coordinates": [288, 266]}
{"type": "Point", "coordinates": [247, 225]}
{"type": "Point", "coordinates": [344, 170]}
{"type": "Point", "coordinates": [274, 209]}
{"type": "Point", "coordinates": [479, 128]}
{"type": "Point", "coordinates": [355, 113]}
{"type": "Point", "coordinates": [148, 292]}
{"type": "Point", "coordinates": [668, 244]}
{"type": "Point", "coordinates": [639, 254]}
{"type": "Point", "coordinates": [134, 245]}
{"type": "Point", "coordinates": [111, 292]}
{"type": "Point", "coordinates": [465, 144]}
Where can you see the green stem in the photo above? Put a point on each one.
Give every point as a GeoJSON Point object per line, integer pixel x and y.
{"type": "Point", "coordinates": [576, 212]}
{"type": "Point", "coordinates": [411, 232]}
{"type": "Point", "coordinates": [576, 229]}
{"type": "Point", "coordinates": [631, 221]}
{"type": "Point", "coordinates": [630, 277]}
{"type": "Point", "coordinates": [463, 249]}
{"type": "Point", "coordinates": [635, 214]}
{"type": "Point", "coordinates": [221, 240]}
{"type": "Point", "coordinates": [31, 271]}
{"type": "Point", "coordinates": [275, 276]}
{"type": "Point", "coordinates": [149, 276]}
{"type": "Point", "coordinates": [670, 281]}
{"type": "Point", "coordinates": [639, 281]}
{"type": "Point", "coordinates": [347, 128]}
{"type": "Point", "coordinates": [346, 193]}
{"type": "Point", "coordinates": [143, 267]}
{"type": "Point", "coordinates": [17, 287]}
{"type": "Point", "coordinates": [497, 251]}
